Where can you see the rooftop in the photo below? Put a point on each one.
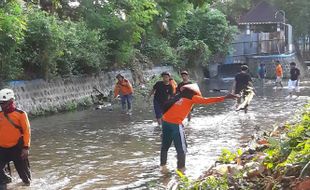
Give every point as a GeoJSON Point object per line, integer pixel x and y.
{"type": "Point", "coordinates": [262, 13]}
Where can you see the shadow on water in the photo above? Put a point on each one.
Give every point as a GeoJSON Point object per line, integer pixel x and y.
{"type": "Point", "coordinates": [98, 149]}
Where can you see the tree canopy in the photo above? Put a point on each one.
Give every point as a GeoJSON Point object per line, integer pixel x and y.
{"type": "Point", "coordinates": [50, 38]}
{"type": "Point", "coordinates": [297, 13]}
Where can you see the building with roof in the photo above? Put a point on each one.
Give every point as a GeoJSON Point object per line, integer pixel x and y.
{"type": "Point", "coordinates": [263, 30]}
{"type": "Point", "coordinates": [264, 37]}
{"type": "Point", "coordinates": [262, 14]}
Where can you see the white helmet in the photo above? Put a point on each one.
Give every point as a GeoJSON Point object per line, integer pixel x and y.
{"type": "Point", "coordinates": [6, 95]}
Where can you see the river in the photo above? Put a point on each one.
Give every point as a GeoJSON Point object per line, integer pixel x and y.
{"type": "Point", "coordinates": [102, 149]}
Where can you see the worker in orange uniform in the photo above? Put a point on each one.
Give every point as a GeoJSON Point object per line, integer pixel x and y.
{"type": "Point", "coordinates": [175, 111]}
{"type": "Point", "coordinates": [279, 74]}
{"type": "Point", "coordinates": [174, 85]}
{"type": "Point", "coordinates": [124, 88]}
{"type": "Point", "coordinates": [14, 138]}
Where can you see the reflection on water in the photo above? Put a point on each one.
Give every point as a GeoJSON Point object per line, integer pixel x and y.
{"type": "Point", "coordinates": [98, 149]}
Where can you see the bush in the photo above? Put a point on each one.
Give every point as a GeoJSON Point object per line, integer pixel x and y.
{"type": "Point", "coordinates": [53, 47]}
{"type": "Point", "coordinates": [193, 52]}
{"type": "Point", "coordinates": [12, 27]}
{"type": "Point", "coordinates": [209, 183]}
{"type": "Point", "coordinates": [89, 51]}
{"type": "Point", "coordinates": [296, 147]}
{"type": "Point", "coordinates": [42, 44]}
{"type": "Point", "coordinates": [210, 26]}
{"type": "Point", "coordinates": [159, 51]}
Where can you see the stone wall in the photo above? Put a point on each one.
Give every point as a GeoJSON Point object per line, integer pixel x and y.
{"type": "Point", "coordinates": [39, 96]}
{"type": "Point", "coordinates": [270, 64]}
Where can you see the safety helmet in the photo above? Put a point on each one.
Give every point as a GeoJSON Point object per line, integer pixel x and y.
{"type": "Point", "coordinates": [6, 95]}
{"type": "Point", "coordinates": [165, 73]}
{"type": "Point", "coordinates": [119, 75]}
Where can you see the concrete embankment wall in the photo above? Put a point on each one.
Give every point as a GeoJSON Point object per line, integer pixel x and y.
{"type": "Point", "coordinates": [270, 65]}
{"type": "Point", "coordinates": [38, 96]}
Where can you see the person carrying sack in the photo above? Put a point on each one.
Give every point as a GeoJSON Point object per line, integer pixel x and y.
{"type": "Point", "coordinates": [242, 87]}
{"type": "Point", "coordinates": [14, 138]}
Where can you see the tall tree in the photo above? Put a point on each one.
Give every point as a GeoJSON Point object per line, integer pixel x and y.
{"type": "Point", "coordinates": [123, 22]}
{"type": "Point", "coordinates": [234, 9]}
{"type": "Point", "coordinates": [297, 13]}
{"type": "Point", "coordinates": [210, 26]}
{"type": "Point", "coordinates": [12, 27]}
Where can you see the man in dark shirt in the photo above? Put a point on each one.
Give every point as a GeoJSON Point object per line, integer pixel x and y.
{"type": "Point", "coordinates": [162, 91]}
{"type": "Point", "coordinates": [293, 83]}
{"type": "Point", "coordinates": [185, 81]}
{"type": "Point", "coordinates": [242, 83]}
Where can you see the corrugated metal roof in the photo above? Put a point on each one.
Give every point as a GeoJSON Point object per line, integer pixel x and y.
{"type": "Point", "coordinates": [262, 13]}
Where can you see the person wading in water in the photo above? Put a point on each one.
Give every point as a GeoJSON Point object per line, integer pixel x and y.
{"type": "Point", "coordinates": [293, 83]}
{"type": "Point", "coordinates": [279, 74]}
{"type": "Point", "coordinates": [124, 88]}
{"type": "Point", "coordinates": [242, 85]}
{"type": "Point", "coordinates": [162, 91]}
{"type": "Point", "coordinates": [185, 80]}
{"type": "Point", "coordinates": [261, 73]}
{"type": "Point", "coordinates": [175, 111]}
{"type": "Point", "coordinates": [14, 138]}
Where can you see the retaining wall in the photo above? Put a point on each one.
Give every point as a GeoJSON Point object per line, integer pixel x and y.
{"type": "Point", "coordinates": [270, 64]}
{"type": "Point", "coordinates": [39, 96]}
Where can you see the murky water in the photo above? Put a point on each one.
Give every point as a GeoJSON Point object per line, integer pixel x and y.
{"type": "Point", "coordinates": [101, 149]}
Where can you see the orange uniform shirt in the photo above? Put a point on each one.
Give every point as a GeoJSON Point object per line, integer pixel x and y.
{"type": "Point", "coordinates": [179, 110]}
{"type": "Point", "coordinates": [174, 85]}
{"type": "Point", "coordinates": [9, 135]}
{"type": "Point", "coordinates": [279, 71]}
{"type": "Point", "coordinates": [123, 87]}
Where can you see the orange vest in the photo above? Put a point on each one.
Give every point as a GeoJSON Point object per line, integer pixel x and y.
{"type": "Point", "coordinates": [279, 71]}
{"type": "Point", "coordinates": [174, 85]}
{"type": "Point", "coordinates": [180, 109]}
{"type": "Point", "coordinates": [123, 87]}
{"type": "Point", "coordinates": [9, 135]}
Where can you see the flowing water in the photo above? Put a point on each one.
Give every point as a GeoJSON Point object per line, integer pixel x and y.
{"type": "Point", "coordinates": [102, 149]}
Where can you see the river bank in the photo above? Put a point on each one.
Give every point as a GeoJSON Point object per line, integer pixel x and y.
{"type": "Point", "coordinates": [102, 149]}
{"type": "Point", "coordinates": [272, 160]}
{"type": "Point", "coordinates": [39, 97]}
